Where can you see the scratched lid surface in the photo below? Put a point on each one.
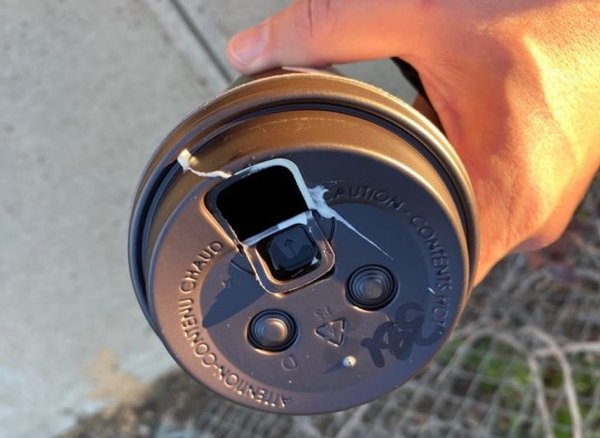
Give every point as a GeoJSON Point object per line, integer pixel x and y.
{"type": "Point", "coordinates": [303, 256]}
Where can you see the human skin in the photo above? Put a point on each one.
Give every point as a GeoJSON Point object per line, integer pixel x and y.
{"type": "Point", "coordinates": [515, 83]}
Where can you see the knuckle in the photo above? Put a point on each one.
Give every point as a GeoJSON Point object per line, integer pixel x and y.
{"type": "Point", "coordinates": [543, 238]}
{"type": "Point", "coordinates": [538, 228]}
{"type": "Point", "coordinates": [550, 232]}
{"type": "Point", "coordinates": [314, 18]}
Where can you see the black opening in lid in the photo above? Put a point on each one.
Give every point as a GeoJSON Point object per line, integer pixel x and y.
{"type": "Point", "coordinates": [260, 201]}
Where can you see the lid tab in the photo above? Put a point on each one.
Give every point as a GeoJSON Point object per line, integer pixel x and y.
{"type": "Point", "coordinates": [268, 211]}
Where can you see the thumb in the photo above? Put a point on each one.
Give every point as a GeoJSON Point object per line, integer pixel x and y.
{"type": "Point", "coordinates": [321, 32]}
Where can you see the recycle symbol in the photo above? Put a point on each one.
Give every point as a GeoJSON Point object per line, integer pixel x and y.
{"type": "Point", "coordinates": [332, 331]}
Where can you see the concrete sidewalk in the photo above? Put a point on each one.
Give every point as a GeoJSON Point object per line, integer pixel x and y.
{"type": "Point", "coordinates": [88, 89]}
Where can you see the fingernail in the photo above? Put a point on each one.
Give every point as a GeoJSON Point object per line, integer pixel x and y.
{"type": "Point", "coordinates": [247, 45]}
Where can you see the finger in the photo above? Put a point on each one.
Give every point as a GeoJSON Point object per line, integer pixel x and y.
{"type": "Point", "coordinates": [321, 32]}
